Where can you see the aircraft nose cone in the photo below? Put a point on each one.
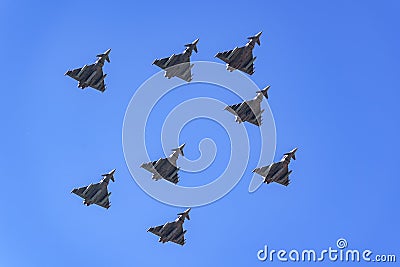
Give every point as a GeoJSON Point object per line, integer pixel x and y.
{"type": "Point", "coordinates": [112, 172]}
{"type": "Point", "coordinates": [108, 51]}
{"type": "Point", "coordinates": [259, 34]}
{"type": "Point", "coordinates": [196, 41]}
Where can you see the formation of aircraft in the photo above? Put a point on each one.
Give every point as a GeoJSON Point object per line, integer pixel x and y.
{"type": "Point", "coordinates": [239, 58]}
{"type": "Point", "coordinates": [177, 65]}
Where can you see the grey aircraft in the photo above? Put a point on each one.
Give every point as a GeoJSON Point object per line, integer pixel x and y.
{"type": "Point", "coordinates": [96, 193]}
{"type": "Point", "coordinates": [241, 58]}
{"type": "Point", "coordinates": [178, 65]}
{"type": "Point", "coordinates": [165, 167]}
{"type": "Point", "coordinates": [91, 75]}
{"type": "Point", "coordinates": [279, 171]}
{"type": "Point", "coordinates": [250, 110]}
{"type": "Point", "coordinates": [172, 231]}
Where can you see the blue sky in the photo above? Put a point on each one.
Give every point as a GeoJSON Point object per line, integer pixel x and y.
{"type": "Point", "coordinates": [333, 67]}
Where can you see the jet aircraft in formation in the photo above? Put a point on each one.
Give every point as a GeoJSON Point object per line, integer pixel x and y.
{"type": "Point", "coordinates": [279, 171]}
{"type": "Point", "coordinates": [178, 65]}
{"type": "Point", "coordinates": [241, 58]}
{"type": "Point", "coordinates": [96, 193]}
{"type": "Point", "coordinates": [172, 231]}
{"type": "Point", "coordinates": [91, 75]}
{"type": "Point", "coordinates": [165, 168]}
{"type": "Point", "coordinates": [250, 110]}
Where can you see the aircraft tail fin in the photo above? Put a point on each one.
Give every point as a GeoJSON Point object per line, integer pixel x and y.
{"type": "Point", "coordinates": [292, 153]}
{"type": "Point", "coordinates": [185, 214]}
{"type": "Point", "coordinates": [265, 91]}
{"type": "Point", "coordinates": [193, 45]}
{"type": "Point", "coordinates": [105, 55]}
{"type": "Point", "coordinates": [180, 149]}
{"type": "Point", "coordinates": [256, 38]}
{"type": "Point", "coordinates": [110, 174]}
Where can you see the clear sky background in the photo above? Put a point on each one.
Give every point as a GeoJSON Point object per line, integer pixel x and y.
{"type": "Point", "coordinates": [333, 67]}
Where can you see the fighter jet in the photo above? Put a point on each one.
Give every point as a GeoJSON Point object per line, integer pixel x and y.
{"type": "Point", "coordinates": [249, 111]}
{"type": "Point", "coordinates": [278, 172]}
{"type": "Point", "coordinates": [178, 65]}
{"type": "Point", "coordinates": [172, 231]}
{"type": "Point", "coordinates": [91, 75]}
{"type": "Point", "coordinates": [241, 58]}
{"type": "Point", "coordinates": [96, 193]}
{"type": "Point", "coordinates": [165, 167]}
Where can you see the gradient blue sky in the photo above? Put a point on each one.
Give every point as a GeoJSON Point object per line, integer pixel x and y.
{"type": "Point", "coordinates": [333, 67]}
